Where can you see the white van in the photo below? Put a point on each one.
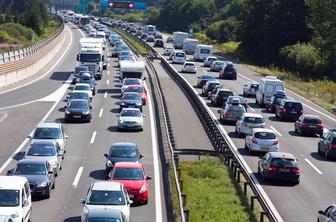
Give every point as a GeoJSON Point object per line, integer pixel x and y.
{"type": "Point", "coordinates": [189, 46]}
{"type": "Point", "coordinates": [267, 88]}
{"type": "Point", "coordinates": [178, 39]}
{"type": "Point", "coordinates": [202, 52]}
{"type": "Point", "coordinates": [132, 69]}
{"type": "Point", "coordinates": [179, 57]}
{"type": "Point", "coordinates": [15, 198]}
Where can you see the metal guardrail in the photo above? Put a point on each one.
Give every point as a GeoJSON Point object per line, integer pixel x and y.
{"type": "Point", "coordinates": [220, 141]}
{"type": "Point", "coordinates": [16, 55]}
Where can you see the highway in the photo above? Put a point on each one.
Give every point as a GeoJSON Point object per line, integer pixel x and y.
{"type": "Point", "coordinates": [42, 98]}
{"type": "Point", "coordinates": [318, 178]}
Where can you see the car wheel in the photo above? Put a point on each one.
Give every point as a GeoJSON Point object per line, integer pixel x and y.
{"type": "Point", "coordinates": [247, 148]}
{"type": "Point", "coordinates": [256, 101]}
{"type": "Point", "coordinates": [326, 154]}
{"type": "Point", "coordinates": [250, 151]}
{"type": "Point", "coordinates": [265, 179]}
{"type": "Point", "coordinates": [318, 149]}
{"type": "Point", "coordinates": [54, 185]}
{"type": "Point", "coordinates": [48, 194]}
{"type": "Point", "coordinates": [244, 94]}
{"type": "Point", "coordinates": [300, 132]}
{"type": "Point", "coordinates": [296, 182]}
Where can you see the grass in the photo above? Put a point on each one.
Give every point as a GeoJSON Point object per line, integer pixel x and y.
{"type": "Point", "coordinates": [212, 194]}
{"type": "Point", "coordinates": [173, 194]}
{"type": "Point", "coordinates": [142, 49]}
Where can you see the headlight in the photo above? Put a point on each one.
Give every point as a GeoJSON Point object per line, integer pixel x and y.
{"type": "Point", "coordinates": [121, 120]}
{"type": "Point", "coordinates": [15, 215]}
{"type": "Point", "coordinates": [43, 184]}
{"type": "Point", "coordinates": [143, 188]}
{"type": "Point", "coordinates": [109, 163]}
{"type": "Point", "coordinates": [139, 104]}
{"type": "Point", "coordinates": [123, 104]}
{"type": "Point", "coordinates": [67, 112]}
{"type": "Point", "coordinates": [86, 113]}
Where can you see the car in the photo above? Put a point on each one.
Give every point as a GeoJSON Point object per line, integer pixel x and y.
{"type": "Point", "coordinates": [78, 69]}
{"type": "Point", "coordinates": [159, 43]}
{"type": "Point", "coordinates": [327, 144]}
{"type": "Point", "coordinates": [209, 60]}
{"type": "Point", "coordinates": [112, 215]}
{"type": "Point", "coordinates": [289, 110]}
{"type": "Point", "coordinates": [279, 166]}
{"type": "Point", "coordinates": [50, 130]}
{"type": "Point", "coordinates": [150, 38]}
{"type": "Point", "coordinates": [241, 99]}
{"type": "Point", "coordinates": [92, 32]}
{"type": "Point", "coordinates": [128, 82]}
{"type": "Point", "coordinates": [168, 50]}
{"type": "Point", "coordinates": [79, 110]}
{"type": "Point", "coordinates": [189, 67]}
{"type": "Point", "coordinates": [91, 81]}
{"type": "Point", "coordinates": [275, 100]}
{"type": "Point", "coordinates": [179, 57]}
{"type": "Point", "coordinates": [48, 150]}
{"type": "Point", "coordinates": [250, 88]}
{"type": "Point", "coordinates": [106, 195]}
{"type": "Point", "coordinates": [84, 74]}
{"type": "Point", "coordinates": [126, 52]}
{"type": "Point", "coordinates": [131, 100]}
{"type": "Point", "coordinates": [208, 86]}
{"type": "Point", "coordinates": [309, 124]}
{"type": "Point", "coordinates": [130, 118]}
{"type": "Point", "coordinates": [247, 121]}
{"type": "Point", "coordinates": [140, 89]}
{"type": "Point", "coordinates": [201, 80]}
{"type": "Point", "coordinates": [138, 33]}
{"type": "Point", "coordinates": [39, 173]}
{"type": "Point", "coordinates": [158, 35]}
{"type": "Point", "coordinates": [83, 87]}
{"type": "Point", "coordinates": [328, 215]}
{"type": "Point", "coordinates": [121, 152]}
{"type": "Point", "coordinates": [15, 201]}
{"type": "Point", "coordinates": [217, 65]}
{"type": "Point", "coordinates": [144, 36]}
{"type": "Point", "coordinates": [228, 72]}
{"type": "Point", "coordinates": [220, 96]}
{"type": "Point", "coordinates": [261, 140]}
{"type": "Point", "coordinates": [77, 95]}
{"type": "Point", "coordinates": [232, 111]}
{"type": "Point", "coordinates": [169, 39]}
{"type": "Point", "coordinates": [134, 178]}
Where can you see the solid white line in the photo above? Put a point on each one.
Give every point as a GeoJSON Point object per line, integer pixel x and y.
{"type": "Point", "coordinates": [158, 204]}
{"type": "Point", "coordinates": [77, 177]}
{"type": "Point", "coordinates": [314, 167]}
{"type": "Point", "coordinates": [107, 82]}
{"type": "Point", "coordinates": [276, 131]}
{"type": "Point", "coordinates": [101, 112]}
{"type": "Point", "coordinates": [93, 137]}
{"type": "Point", "coordinates": [105, 95]}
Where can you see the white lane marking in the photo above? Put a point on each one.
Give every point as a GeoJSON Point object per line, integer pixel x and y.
{"type": "Point", "coordinates": [46, 73]}
{"type": "Point", "coordinates": [93, 137]}
{"type": "Point", "coordinates": [101, 112]}
{"type": "Point", "coordinates": [251, 108]}
{"type": "Point", "coordinates": [77, 177]}
{"type": "Point", "coordinates": [158, 204]}
{"type": "Point", "coordinates": [108, 72]}
{"type": "Point", "coordinates": [107, 82]}
{"type": "Point", "coordinates": [105, 95]}
{"type": "Point", "coordinates": [108, 65]}
{"type": "Point", "coordinates": [108, 59]}
{"type": "Point", "coordinates": [314, 167]}
{"type": "Point", "coordinates": [3, 116]}
{"type": "Point", "coordinates": [275, 130]}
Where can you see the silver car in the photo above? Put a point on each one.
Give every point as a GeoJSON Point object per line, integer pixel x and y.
{"type": "Point", "coordinates": [327, 215]}
{"type": "Point", "coordinates": [232, 111]}
{"type": "Point", "coordinates": [247, 121]}
{"type": "Point", "coordinates": [209, 60]}
{"type": "Point", "coordinates": [217, 65]}
{"type": "Point", "coordinates": [130, 118]}
{"type": "Point", "coordinates": [250, 88]}
{"type": "Point", "coordinates": [261, 140]}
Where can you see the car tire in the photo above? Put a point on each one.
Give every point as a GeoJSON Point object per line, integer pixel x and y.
{"type": "Point", "coordinates": [319, 149]}
{"type": "Point", "coordinates": [256, 101]}
{"type": "Point", "coordinates": [300, 132]}
{"type": "Point", "coordinates": [54, 185]}
{"type": "Point", "coordinates": [246, 147]}
{"type": "Point", "coordinates": [47, 196]}
{"type": "Point", "coordinates": [326, 154]}
{"type": "Point", "coordinates": [296, 182]}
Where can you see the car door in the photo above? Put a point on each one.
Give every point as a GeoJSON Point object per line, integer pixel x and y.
{"type": "Point", "coordinates": [24, 205]}
{"type": "Point", "coordinates": [59, 154]}
{"type": "Point", "coordinates": [51, 176]}
{"type": "Point", "coordinates": [298, 123]}
{"type": "Point", "coordinates": [325, 142]}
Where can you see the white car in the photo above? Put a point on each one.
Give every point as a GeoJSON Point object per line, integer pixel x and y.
{"type": "Point", "coordinates": [106, 195]}
{"type": "Point", "coordinates": [261, 140]}
{"type": "Point", "coordinates": [217, 65]}
{"type": "Point", "coordinates": [92, 32]}
{"type": "Point", "coordinates": [247, 121]}
{"type": "Point", "coordinates": [209, 60]}
{"type": "Point", "coordinates": [83, 87]}
{"type": "Point", "coordinates": [179, 57]}
{"type": "Point", "coordinates": [130, 118]}
{"type": "Point", "coordinates": [168, 50]}
{"type": "Point", "coordinates": [15, 199]}
{"type": "Point", "coordinates": [250, 88]}
{"type": "Point", "coordinates": [189, 67]}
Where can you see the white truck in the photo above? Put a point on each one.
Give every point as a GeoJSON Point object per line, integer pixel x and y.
{"type": "Point", "coordinates": [83, 20]}
{"type": "Point", "coordinates": [178, 39]}
{"type": "Point", "coordinates": [150, 29]}
{"type": "Point", "coordinates": [202, 52]}
{"type": "Point", "coordinates": [132, 69]}
{"type": "Point", "coordinates": [267, 88]}
{"type": "Point", "coordinates": [189, 46]}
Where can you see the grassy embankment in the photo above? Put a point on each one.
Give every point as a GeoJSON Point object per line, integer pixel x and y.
{"type": "Point", "coordinates": [212, 193]}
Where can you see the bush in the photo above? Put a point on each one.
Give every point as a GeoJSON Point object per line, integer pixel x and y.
{"type": "Point", "coordinates": [4, 37]}
{"type": "Point", "coordinates": [202, 38]}
{"type": "Point", "coordinates": [231, 47]}
{"type": "Point", "coordinates": [19, 32]}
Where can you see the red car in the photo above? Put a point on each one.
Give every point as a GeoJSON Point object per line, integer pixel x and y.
{"type": "Point", "coordinates": [134, 178]}
{"type": "Point", "coordinates": [139, 89]}
{"type": "Point", "coordinates": [309, 124]}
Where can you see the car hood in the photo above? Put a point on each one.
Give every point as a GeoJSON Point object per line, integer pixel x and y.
{"type": "Point", "coordinates": [77, 110]}
{"type": "Point", "coordinates": [131, 101]}
{"type": "Point", "coordinates": [131, 184]}
{"type": "Point", "coordinates": [5, 212]}
{"type": "Point", "coordinates": [37, 179]}
{"type": "Point", "coordinates": [128, 118]}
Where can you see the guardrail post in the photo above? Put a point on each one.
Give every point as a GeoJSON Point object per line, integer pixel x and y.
{"type": "Point", "coordinates": [262, 214]}
{"type": "Point", "coordinates": [181, 184]}
{"type": "Point", "coordinates": [238, 175]}
{"type": "Point", "coordinates": [176, 159]}
{"type": "Point", "coordinates": [178, 171]}
{"type": "Point", "coordinates": [245, 187]}
{"type": "Point", "coordinates": [252, 198]}
{"type": "Point", "coordinates": [184, 199]}
{"type": "Point", "coordinates": [187, 215]}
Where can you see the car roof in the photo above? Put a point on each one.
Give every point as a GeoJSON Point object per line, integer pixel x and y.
{"type": "Point", "coordinates": [79, 91]}
{"type": "Point", "coordinates": [48, 125]}
{"type": "Point", "coordinates": [137, 109]}
{"type": "Point", "coordinates": [225, 90]}
{"type": "Point", "coordinates": [292, 101]}
{"type": "Point", "coordinates": [130, 93]}
{"type": "Point", "coordinates": [82, 84]}
{"type": "Point", "coordinates": [252, 115]}
{"type": "Point", "coordinates": [213, 81]}
{"type": "Point", "coordinates": [128, 164]}
{"type": "Point", "coordinates": [106, 185]}
{"type": "Point", "coordinates": [12, 182]}
{"type": "Point", "coordinates": [78, 100]}
{"type": "Point", "coordinates": [281, 155]}
{"type": "Point", "coordinates": [113, 213]}
{"type": "Point", "coordinates": [310, 116]}
{"type": "Point", "coordinates": [124, 144]}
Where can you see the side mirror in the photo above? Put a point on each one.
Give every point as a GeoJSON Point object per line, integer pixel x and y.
{"type": "Point", "coordinates": [105, 155]}
{"type": "Point", "coordinates": [141, 156]}
{"type": "Point", "coordinates": [26, 203]}
{"type": "Point", "coordinates": [50, 172]}
{"type": "Point", "coordinates": [148, 178]}
{"type": "Point", "coordinates": [144, 78]}
{"type": "Point", "coordinates": [117, 115]}
{"type": "Point", "coordinates": [82, 201]}
{"type": "Point", "coordinates": [245, 85]}
{"type": "Point", "coordinates": [321, 212]}
{"type": "Point", "coordinates": [29, 137]}
{"type": "Point", "coordinates": [65, 107]}
{"type": "Point", "coordinates": [67, 97]}
{"type": "Point", "coordinates": [77, 57]}
{"type": "Point", "coordinates": [90, 107]}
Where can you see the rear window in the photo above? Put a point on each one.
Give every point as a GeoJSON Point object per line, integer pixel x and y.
{"type": "Point", "coordinates": [292, 105]}
{"type": "Point", "coordinates": [205, 51]}
{"type": "Point", "coordinates": [236, 108]}
{"type": "Point", "coordinates": [264, 135]}
{"type": "Point", "coordinates": [180, 54]}
{"type": "Point", "coordinates": [255, 120]}
{"type": "Point", "coordinates": [312, 120]}
{"type": "Point", "coordinates": [225, 93]}
{"type": "Point", "coordinates": [254, 86]}
{"type": "Point", "coordinates": [283, 162]}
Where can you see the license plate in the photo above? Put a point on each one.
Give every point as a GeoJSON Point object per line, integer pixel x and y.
{"type": "Point", "coordinates": [284, 170]}
{"type": "Point", "coordinates": [77, 116]}
{"type": "Point", "coordinates": [264, 148]}
{"type": "Point", "coordinates": [312, 126]}
{"type": "Point", "coordinates": [131, 106]}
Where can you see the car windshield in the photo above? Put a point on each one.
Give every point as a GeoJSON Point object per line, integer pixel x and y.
{"type": "Point", "coordinates": [41, 150]}
{"type": "Point", "coordinates": [102, 219]}
{"type": "Point", "coordinates": [241, 99]}
{"type": "Point", "coordinates": [30, 169]}
{"type": "Point", "coordinates": [208, 77]}
{"type": "Point", "coordinates": [131, 113]}
{"type": "Point", "coordinates": [293, 106]}
{"type": "Point", "coordinates": [81, 68]}
{"type": "Point", "coordinates": [106, 197]}
{"type": "Point", "coordinates": [189, 64]}
{"type": "Point", "coordinates": [131, 96]}
{"type": "Point", "coordinates": [82, 87]}
{"type": "Point", "coordinates": [88, 81]}
{"type": "Point", "coordinates": [225, 94]}
{"type": "Point", "coordinates": [47, 133]}
{"type": "Point", "coordinates": [135, 89]}
{"type": "Point", "coordinates": [235, 108]}
{"type": "Point", "coordinates": [230, 69]}
{"type": "Point", "coordinates": [79, 105]}
{"type": "Point", "coordinates": [254, 86]}
{"type": "Point", "coordinates": [81, 73]}
{"type": "Point", "coordinates": [284, 162]}
{"type": "Point", "coordinates": [77, 95]}
{"type": "Point", "coordinates": [131, 82]}
{"type": "Point", "coordinates": [123, 151]}
{"type": "Point", "coordinates": [312, 120]}
{"type": "Point", "coordinates": [9, 198]}
{"type": "Point", "coordinates": [255, 120]}
{"type": "Point", "coordinates": [128, 174]}
{"type": "Point", "coordinates": [265, 135]}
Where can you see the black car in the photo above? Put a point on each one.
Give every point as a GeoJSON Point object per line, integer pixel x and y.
{"type": "Point", "coordinates": [91, 82]}
{"type": "Point", "coordinates": [228, 72]}
{"type": "Point", "coordinates": [288, 109]}
{"type": "Point", "coordinates": [327, 144]}
{"type": "Point", "coordinates": [159, 43]}
{"type": "Point", "coordinates": [39, 173]}
{"type": "Point", "coordinates": [121, 152]}
{"type": "Point", "coordinates": [203, 79]}
{"type": "Point", "coordinates": [144, 36]}
{"type": "Point", "coordinates": [78, 95]}
{"type": "Point", "coordinates": [131, 100]}
{"type": "Point", "coordinates": [275, 101]}
{"type": "Point", "coordinates": [78, 109]}
{"type": "Point", "coordinates": [78, 69]}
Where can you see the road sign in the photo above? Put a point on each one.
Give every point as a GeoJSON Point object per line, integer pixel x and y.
{"type": "Point", "coordinates": [113, 4]}
{"type": "Point", "coordinates": [123, 4]}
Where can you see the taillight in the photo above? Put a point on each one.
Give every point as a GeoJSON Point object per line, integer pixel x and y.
{"type": "Point", "coordinates": [271, 168]}
{"type": "Point", "coordinates": [320, 125]}
{"type": "Point", "coordinates": [333, 145]}
{"type": "Point", "coordinates": [254, 140]}
{"type": "Point", "coordinates": [301, 112]}
{"type": "Point", "coordinates": [284, 110]}
{"type": "Point", "coordinates": [296, 170]}
{"type": "Point", "coordinates": [276, 142]}
{"type": "Point", "coordinates": [226, 113]}
{"type": "Point", "coordinates": [304, 124]}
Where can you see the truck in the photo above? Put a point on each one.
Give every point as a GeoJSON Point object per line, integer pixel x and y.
{"type": "Point", "coordinates": [84, 20]}
{"type": "Point", "coordinates": [91, 55]}
{"type": "Point", "coordinates": [202, 52]}
{"type": "Point", "coordinates": [267, 88]}
{"type": "Point", "coordinates": [178, 39]}
{"type": "Point", "coordinates": [189, 46]}
{"type": "Point", "coordinates": [132, 69]}
{"type": "Point", "coordinates": [150, 29]}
